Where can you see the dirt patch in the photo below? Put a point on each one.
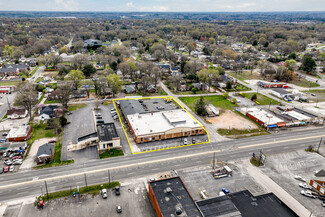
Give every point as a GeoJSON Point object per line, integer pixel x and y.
{"type": "Point", "coordinates": [231, 119]}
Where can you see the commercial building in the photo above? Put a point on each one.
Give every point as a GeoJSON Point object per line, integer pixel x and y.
{"type": "Point", "coordinates": [281, 93]}
{"type": "Point", "coordinates": [18, 134]}
{"type": "Point", "coordinates": [281, 117]}
{"type": "Point", "coordinates": [170, 197]}
{"type": "Point", "coordinates": [105, 138]}
{"type": "Point", "coordinates": [163, 125]}
{"type": "Point", "coordinates": [7, 89]}
{"type": "Point", "coordinates": [271, 84]}
{"type": "Point", "coordinates": [158, 119]}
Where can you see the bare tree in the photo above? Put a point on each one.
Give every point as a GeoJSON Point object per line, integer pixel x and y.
{"type": "Point", "coordinates": [27, 97]}
{"type": "Point", "coordinates": [79, 61]}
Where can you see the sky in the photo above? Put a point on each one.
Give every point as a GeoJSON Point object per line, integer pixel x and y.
{"type": "Point", "coordinates": [163, 5]}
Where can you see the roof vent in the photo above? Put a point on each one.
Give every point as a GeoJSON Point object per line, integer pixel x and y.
{"type": "Point", "coordinates": [169, 190]}
{"type": "Point", "coordinates": [179, 210]}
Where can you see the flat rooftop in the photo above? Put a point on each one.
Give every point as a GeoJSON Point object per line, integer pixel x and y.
{"type": "Point", "coordinates": [160, 122]}
{"type": "Point", "coordinates": [281, 91]}
{"type": "Point", "coordinates": [106, 132]}
{"type": "Point", "coordinates": [262, 115]}
{"type": "Point", "coordinates": [218, 206]}
{"type": "Point", "coordinates": [267, 205]}
{"type": "Point", "coordinates": [178, 197]}
{"type": "Point", "coordinates": [20, 131]}
{"type": "Point", "coordinates": [140, 106]}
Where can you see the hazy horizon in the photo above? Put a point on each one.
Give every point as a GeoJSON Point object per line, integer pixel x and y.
{"type": "Point", "coordinates": [164, 6]}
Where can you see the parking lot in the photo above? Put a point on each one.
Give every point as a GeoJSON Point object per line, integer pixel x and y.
{"type": "Point", "coordinates": [197, 179]}
{"type": "Point", "coordinates": [282, 168]}
{"type": "Point", "coordinates": [11, 156]}
{"type": "Point", "coordinates": [82, 123]}
{"type": "Point", "coordinates": [134, 201]}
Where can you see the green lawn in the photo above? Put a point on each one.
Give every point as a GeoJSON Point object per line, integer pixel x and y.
{"type": "Point", "coordinates": [111, 153]}
{"type": "Point", "coordinates": [261, 99]}
{"type": "Point", "coordinates": [91, 189]}
{"type": "Point", "coordinates": [9, 83]}
{"type": "Point", "coordinates": [39, 79]}
{"type": "Point", "coordinates": [305, 83]}
{"type": "Point", "coordinates": [239, 87]}
{"type": "Point", "coordinates": [190, 92]}
{"type": "Point", "coordinates": [76, 107]}
{"type": "Point", "coordinates": [51, 101]}
{"type": "Point", "coordinates": [39, 131]}
{"type": "Point", "coordinates": [33, 72]}
{"type": "Point", "coordinates": [216, 100]}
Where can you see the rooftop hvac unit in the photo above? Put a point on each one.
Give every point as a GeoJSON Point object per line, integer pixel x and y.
{"type": "Point", "coordinates": [168, 190]}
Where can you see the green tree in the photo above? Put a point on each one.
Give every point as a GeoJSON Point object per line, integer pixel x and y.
{"type": "Point", "coordinates": [190, 47]}
{"type": "Point", "coordinates": [228, 85]}
{"type": "Point", "coordinates": [75, 76]}
{"type": "Point", "coordinates": [63, 121]}
{"type": "Point", "coordinates": [63, 50]}
{"type": "Point", "coordinates": [88, 70]}
{"type": "Point", "coordinates": [115, 83]}
{"type": "Point", "coordinates": [194, 90]}
{"type": "Point", "coordinates": [200, 107]}
{"type": "Point", "coordinates": [293, 55]}
{"type": "Point", "coordinates": [8, 51]}
{"type": "Point", "coordinates": [308, 64]}
{"type": "Point", "coordinates": [254, 97]}
{"type": "Point", "coordinates": [225, 95]}
{"type": "Point", "coordinates": [234, 100]}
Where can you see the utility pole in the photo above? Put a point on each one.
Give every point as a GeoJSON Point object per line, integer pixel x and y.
{"type": "Point", "coordinates": [319, 144]}
{"type": "Point", "coordinates": [86, 180]}
{"type": "Point", "coordinates": [47, 192]}
{"type": "Point", "coordinates": [8, 104]}
{"type": "Point", "coordinates": [214, 160]}
{"type": "Point", "coordinates": [109, 177]}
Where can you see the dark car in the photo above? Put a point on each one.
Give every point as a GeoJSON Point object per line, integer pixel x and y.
{"type": "Point", "coordinates": [117, 190]}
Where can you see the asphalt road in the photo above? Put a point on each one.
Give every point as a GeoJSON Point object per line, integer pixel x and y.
{"type": "Point", "coordinates": [26, 184]}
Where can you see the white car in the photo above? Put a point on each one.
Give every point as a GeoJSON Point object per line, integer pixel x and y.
{"type": "Point", "coordinates": [185, 141]}
{"type": "Point", "coordinates": [300, 178]}
{"type": "Point", "coordinates": [308, 194]}
{"type": "Point", "coordinates": [12, 168]}
{"type": "Point", "coordinates": [104, 193]}
{"type": "Point", "coordinates": [305, 186]}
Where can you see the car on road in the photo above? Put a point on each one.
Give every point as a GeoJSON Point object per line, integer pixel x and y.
{"type": "Point", "coordinates": [225, 190]}
{"type": "Point", "coordinates": [118, 209]}
{"type": "Point", "coordinates": [6, 169]}
{"type": "Point", "coordinates": [104, 193]}
{"type": "Point", "coordinates": [300, 178]}
{"type": "Point", "coordinates": [193, 140]}
{"type": "Point", "coordinates": [69, 113]}
{"type": "Point", "coordinates": [313, 94]}
{"type": "Point", "coordinates": [117, 190]}
{"type": "Point", "coordinates": [160, 107]}
{"type": "Point", "coordinates": [305, 186]}
{"type": "Point", "coordinates": [308, 194]}
{"type": "Point", "coordinates": [1, 170]}
{"type": "Point", "coordinates": [11, 168]}
{"type": "Point", "coordinates": [185, 141]}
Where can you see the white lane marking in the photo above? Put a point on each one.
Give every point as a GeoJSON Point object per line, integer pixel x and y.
{"type": "Point", "coordinates": [274, 142]}
{"type": "Point", "coordinates": [105, 169]}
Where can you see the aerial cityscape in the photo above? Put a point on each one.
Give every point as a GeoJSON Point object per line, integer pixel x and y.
{"type": "Point", "coordinates": [162, 108]}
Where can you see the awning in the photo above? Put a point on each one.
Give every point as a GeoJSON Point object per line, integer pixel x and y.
{"type": "Point", "coordinates": [303, 122]}
{"type": "Point", "coordinates": [272, 126]}
{"type": "Point", "coordinates": [281, 124]}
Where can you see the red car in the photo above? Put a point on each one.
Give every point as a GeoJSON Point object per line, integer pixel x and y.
{"type": "Point", "coordinates": [16, 157]}
{"type": "Point", "coordinates": [6, 169]}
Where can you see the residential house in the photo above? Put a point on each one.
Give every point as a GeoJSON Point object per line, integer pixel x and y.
{"type": "Point", "coordinates": [129, 89]}
{"type": "Point", "coordinates": [15, 113]}
{"type": "Point", "coordinates": [152, 89]}
{"type": "Point", "coordinates": [92, 42]}
{"type": "Point", "coordinates": [45, 153]}
{"type": "Point", "coordinates": [50, 111]}
{"type": "Point", "coordinates": [165, 68]}
{"type": "Point", "coordinates": [13, 70]}
{"type": "Point", "coordinates": [78, 93]}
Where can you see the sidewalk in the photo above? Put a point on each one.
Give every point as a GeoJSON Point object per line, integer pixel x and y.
{"type": "Point", "coordinates": [270, 186]}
